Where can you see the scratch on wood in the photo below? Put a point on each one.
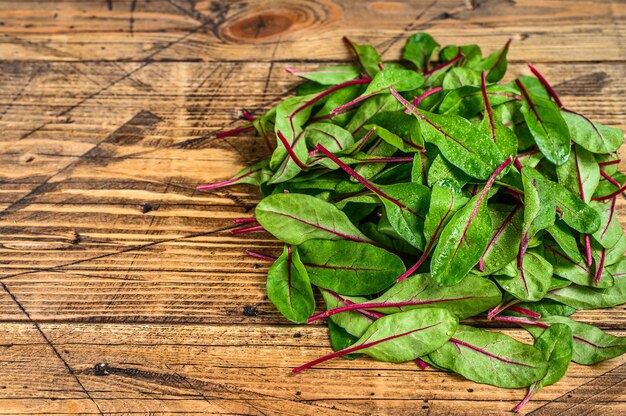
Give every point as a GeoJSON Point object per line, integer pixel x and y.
{"type": "Point", "coordinates": [126, 250]}
{"type": "Point", "coordinates": [147, 61]}
{"type": "Point", "coordinates": [131, 19]}
{"type": "Point", "coordinates": [50, 344]}
{"type": "Point", "coordinates": [411, 26]}
{"type": "Point", "coordinates": [585, 398]}
{"type": "Point", "coordinates": [129, 133]}
{"type": "Point", "coordinates": [20, 92]}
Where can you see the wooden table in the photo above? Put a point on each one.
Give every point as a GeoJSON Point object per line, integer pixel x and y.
{"type": "Point", "coordinates": [123, 291]}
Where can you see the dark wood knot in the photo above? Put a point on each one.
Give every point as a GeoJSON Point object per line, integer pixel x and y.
{"type": "Point", "coordinates": [266, 23]}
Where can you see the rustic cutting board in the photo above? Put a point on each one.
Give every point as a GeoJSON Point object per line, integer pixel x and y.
{"type": "Point", "coordinates": [122, 290]}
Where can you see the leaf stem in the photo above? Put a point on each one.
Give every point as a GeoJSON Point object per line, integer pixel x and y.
{"type": "Point", "coordinates": [502, 306]}
{"type": "Point", "coordinates": [483, 87]}
{"type": "Point", "coordinates": [370, 314]}
{"type": "Point", "coordinates": [227, 182]}
{"type": "Point", "coordinates": [447, 64]}
{"type": "Point", "coordinates": [420, 98]}
{"type": "Point", "coordinates": [522, 321]}
{"type": "Point", "coordinates": [610, 179]}
{"type": "Point", "coordinates": [247, 115]}
{"type": "Point", "coordinates": [422, 364]}
{"type": "Point", "coordinates": [357, 348]}
{"type": "Point", "coordinates": [365, 182]}
{"type": "Point", "coordinates": [260, 256]}
{"type": "Point", "coordinates": [588, 250]}
{"type": "Point", "coordinates": [600, 267]}
{"type": "Point", "coordinates": [609, 196]}
{"type": "Point", "coordinates": [531, 393]}
{"type": "Point", "coordinates": [290, 151]}
{"type": "Point", "coordinates": [233, 132]}
{"type": "Point", "coordinates": [247, 230]}
{"type": "Point", "coordinates": [547, 85]}
{"type": "Point", "coordinates": [609, 162]}
{"type": "Point", "coordinates": [524, 311]}
{"type": "Point", "coordinates": [244, 220]}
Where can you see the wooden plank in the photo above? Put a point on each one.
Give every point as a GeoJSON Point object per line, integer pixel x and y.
{"type": "Point", "coordinates": [220, 369]}
{"type": "Point", "coordinates": [111, 257]}
{"type": "Point", "coordinates": [545, 30]}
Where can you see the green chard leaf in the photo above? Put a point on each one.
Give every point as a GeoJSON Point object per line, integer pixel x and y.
{"type": "Point", "coordinates": [547, 126]}
{"type": "Point", "coordinates": [350, 267]}
{"type": "Point", "coordinates": [534, 283]}
{"type": "Point", "coordinates": [288, 286]}
{"type": "Point", "coordinates": [340, 339]}
{"type": "Point", "coordinates": [466, 235]}
{"type": "Point", "coordinates": [400, 337]}
{"type": "Point", "coordinates": [591, 344]}
{"type": "Point", "coordinates": [594, 137]}
{"type": "Point", "coordinates": [584, 297]}
{"type": "Point", "coordinates": [580, 174]}
{"type": "Point", "coordinates": [496, 64]}
{"type": "Point", "coordinates": [491, 358]}
{"type": "Point", "coordinates": [556, 344]}
{"type": "Point", "coordinates": [367, 57]}
{"type": "Point", "coordinates": [420, 49]}
{"type": "Point", "coordinates": [415, 194]}
{"type": "Point", "coordinates": [506, 231]}
{"type": "Point", "coordinates": [296, 218]}
{"type": "Point", "coordinates": [329, 75]}
{"type": "Point", "coordinates": [354, 322]}
{"type": "Point", "coordinates": [610, 230]}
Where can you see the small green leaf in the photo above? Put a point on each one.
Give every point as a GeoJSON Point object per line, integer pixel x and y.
{"type": "Point", "coordinates": [296, 218]}
{"type": "Point", "coordinates": [591, 344]}
{"type": "Point", "coordinates": [349, 267]}
{"type": "Point", "coordinates": [288, 287]}
{"type": "Point", "coordinates": [420, 49]}
{"type": "Point", "coordinates": [491, 358]}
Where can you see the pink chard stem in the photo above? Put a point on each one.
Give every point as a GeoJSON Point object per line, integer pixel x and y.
{"type": "Point", "coordinates": [422, 364]}
{"type": "Point", "coordinates": [233, 132]}
{"type": "Point", "coordinates": [531, 393]}
{"type": "Point", "coordinates": [244, 220]}
{"type": "Point", "coordinates": [488, 112]}
{"type": "Point", "coordinates": [447, 64]}
{"type": "Point", "coordinates": [247, 230]}
{"type": "Point", "coordinates": [502, 306]}
{"type": "Point", "coordinates": [610, 179]}
{"type": "Point", "coordinates": [588, 250]}
{"type": "Point", "coordinates": [227, 182]}
{"type": "Point", "coordinates": [612, 195]}
{"type": "Point", "coordinates": [609, 162]}
{"type": "Point", "coordinates": [365, 182]}
{"type": "Point", "coordinates": [421, 98]}
{"type": "Point", "coordinates": [547, 85]}
{"type": "Point", "coordinates": [357, 348]}
{"type": "Point", "coordinates": [524, 311]}
{"type": "Point", "coordinates": [291, 152]}
{"type": "Point", "coordinates": [600, 268]}
{"type": "Point", "coordinates": [260, 256]}
{"type": "Point", "coordinates": [247, 115]}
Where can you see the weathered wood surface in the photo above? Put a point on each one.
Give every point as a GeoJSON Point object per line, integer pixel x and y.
{"type": "Point", "coordinates": [123, 290]}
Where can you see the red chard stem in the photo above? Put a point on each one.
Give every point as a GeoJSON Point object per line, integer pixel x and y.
{"type": "Point", "coordinates": [547, 85]}
{"type": "Point", "coordinates": [247, 230]}
{"type": "Point", "coordinates": [260, 255]}
{"type": "Point", "coordinates": [365, 182]}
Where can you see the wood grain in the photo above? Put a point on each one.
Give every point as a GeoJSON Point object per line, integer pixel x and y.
{"type": "Point", "coordinates": [122, 289]}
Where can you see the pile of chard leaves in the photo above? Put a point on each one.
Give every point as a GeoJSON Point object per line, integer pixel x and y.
{"type": "Point", "coordinates": [417, 194]}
